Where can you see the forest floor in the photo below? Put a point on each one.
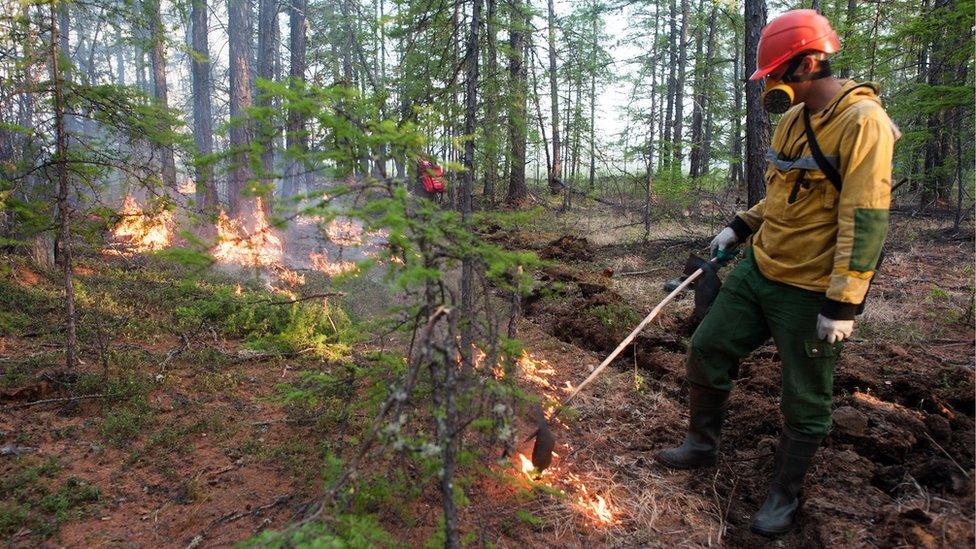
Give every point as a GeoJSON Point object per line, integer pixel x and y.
{"type": "Point", "coordinates": [201, 431]}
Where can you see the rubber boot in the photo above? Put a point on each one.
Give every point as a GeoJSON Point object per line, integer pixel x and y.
{"type": "Point", "coordinates": [793, 457]}
{"type": "Point", "coordinates": [700, 448]}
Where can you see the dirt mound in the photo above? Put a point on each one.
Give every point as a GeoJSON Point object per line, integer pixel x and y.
{"type": "Point", "coordinates": [578, 307]}
{"type": "Point", "coordinates": [568, 248]}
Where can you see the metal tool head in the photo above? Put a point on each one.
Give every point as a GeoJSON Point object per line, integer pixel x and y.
{"type": "Point", "coordinates": [545, 441]}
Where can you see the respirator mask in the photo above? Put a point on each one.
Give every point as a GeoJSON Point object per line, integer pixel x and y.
{"type": "Point", "coordinates": [777, 97]}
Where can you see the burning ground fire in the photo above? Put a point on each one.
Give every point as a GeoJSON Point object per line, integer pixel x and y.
{"type": "Point", "coordinates": [594, 507]}
{"type": "Point", "coordinates": [259, 247]}
{"type": "Point", "coordinates": [140, 232]}
{"type": "Point", "coordinates": [248, 241]}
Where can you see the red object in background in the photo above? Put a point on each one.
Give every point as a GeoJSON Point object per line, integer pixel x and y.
{"type": "Point", "coordinates": [431, 175]}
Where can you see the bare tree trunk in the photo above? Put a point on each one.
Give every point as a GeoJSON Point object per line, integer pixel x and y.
{"type": "Point", "coordinates": [158, 60]}
{"type": "Point", "coordinates": [64, 209]}
{"type": "Point", "coordinates": [555, 173]}
{"type": "Point", "coordinates": [239, 42]}
{"type": "Point", "coordinates": [706, 148]}
{"type": "Point", "coordinates": [467, 266]}
{"type": "Point", "coordinates": [757, 123]}
{"type": "Point", "coordinates": [736, 176]}
{"type": "Point", "coordinates": [119, 58]}
{"type": "Point", "coordinates": [206, 187]}
{"type": "Point", "coordinates": [666, 154]}
{"type": "Point", "coordinates": [698, 101]}
{"type": "Point", "coordinates": [517, 191]}
{"type": "Point", "coordinates": [593, 39]}
{"type": "Point", "coordinates": [267, 53]}
{"type": "Point", "coordinates": [649, 181]}
{"type": "Point", "coordinates": [490, 167]}
{"type": "Point", "coordinates": [679, 90]}
{"type": "Point", "coordinates": [296, 141]}
{"type": "Point", "coordinates": [848, 28]}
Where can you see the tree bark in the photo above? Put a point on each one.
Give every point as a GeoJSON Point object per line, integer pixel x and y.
{"type": "Point", "coordinates": [697, 104]}
{"type": "Point", "coordinates": [679, 89]}
{"type": "Point", "coordinates": [296, 140]}
{"type": "Point", "coordinates": [517, 191]}
{"type": "Point", "coordinates": [157, 37]}
{"type": "Point", "coordinates": [594, 41]}
{"type": "Point", "coordinates": [757, 123]}
{"type": "Point", "coordinates": [267, 55]}
{"type": "Point", "coordinates": [736, 176]}
{"type": "Point", "coordinates": [490, 167]}
{"type": "Point", "coordinates": [649, 181]}
{"type": "Point", "coordinates": [848, 28]}
{"type": "Point", "coordinates": [667, 153]}
{"type": "Point", "coordinates": [706, 148]}
{"type": "Point", "coordinates": [555, 172]}
{"type": "Point", "coordinates": [206, 187]}
{"type": "Point", "coordinates": [467, 265]}
{"type": "Point", "coordinates": [64, 208]}
{"type": "Point", "coordinates": [239, 46]}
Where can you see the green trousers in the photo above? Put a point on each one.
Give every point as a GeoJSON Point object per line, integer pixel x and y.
{"type": "Point", "coordinates": [749, 309]}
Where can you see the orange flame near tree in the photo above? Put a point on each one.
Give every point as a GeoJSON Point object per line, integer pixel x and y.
{"type": "Point", "coordinates": [258, 247]}
{"type": "Point", "coordinates": [140, 232]}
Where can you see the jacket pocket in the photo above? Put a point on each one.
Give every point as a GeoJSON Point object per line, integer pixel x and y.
{"type": "Point", "coordinates": [812, 200]}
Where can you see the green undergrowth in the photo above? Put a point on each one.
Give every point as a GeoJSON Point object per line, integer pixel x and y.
{"type": "Point", "coordinates": [35, 499]}
{"type": "Point", "coordinates": [160, 296]}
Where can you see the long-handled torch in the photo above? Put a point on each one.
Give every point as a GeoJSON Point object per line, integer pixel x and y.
{"type": "Point", "coordinates": [545, 440]}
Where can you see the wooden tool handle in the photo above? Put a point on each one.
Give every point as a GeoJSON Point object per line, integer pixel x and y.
{"type": "Point", "coordinates": [606, 362]}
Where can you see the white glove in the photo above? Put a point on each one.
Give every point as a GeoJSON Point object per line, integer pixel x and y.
{"type": "Point", "coordinates": [724, 240]}
{"type": "Point", "coordinates": [833, 330]}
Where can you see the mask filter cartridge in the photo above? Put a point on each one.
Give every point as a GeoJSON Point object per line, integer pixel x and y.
{"type": "Point", "coordinates": [777, 97]}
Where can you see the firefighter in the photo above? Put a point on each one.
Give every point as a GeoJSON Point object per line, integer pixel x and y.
{"type": "Point", "coordinates": [815, 242]}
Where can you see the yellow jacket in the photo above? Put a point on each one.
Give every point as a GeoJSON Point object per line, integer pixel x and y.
{"type": "Point", "coordinates": [805, 233]}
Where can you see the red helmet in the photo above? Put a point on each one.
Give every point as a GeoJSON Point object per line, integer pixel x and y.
{"type": "Point", "coordinates": [792, 33]}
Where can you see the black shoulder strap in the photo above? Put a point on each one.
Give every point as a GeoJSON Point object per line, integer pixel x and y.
{"type": "Point", "coordinates": [826, 167]}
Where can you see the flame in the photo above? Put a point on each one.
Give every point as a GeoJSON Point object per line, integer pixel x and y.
{"type": "Point", "coordinates": [140, 232]}
{"type": "Point", "coordinates": [290, 277]}
{"type": "Point", "coordinates": [596, 507]}
{"type": "Point", "coordinates": [187, 187]}
{"type": "Point", "coordinates": [320, 262]}
{"type": "Point", "coordinates": [345, 232]}
{"type": "Point", "coordinates": [238, 291]}
{"type": "Point", "coordinates": [256, 248]}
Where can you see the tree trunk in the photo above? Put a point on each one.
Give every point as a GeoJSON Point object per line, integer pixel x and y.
{"type": "Point", "coordinates": [296, 138]}
{"type": "Point", "coordinates": [649, 181]}
{"type": "Point", "coordinates": [239, 46]}
{"type": "Point", "coordinates": [490, 167]}
{"type": "Point", "coordinates": [158, 59]}
{"type": "Point", "coordinates": [736, 176]}
{"type": "Point", "coordinates": [555, 173]}
{"type": "Point", "coordinates": [452, 537]}
{"type": "Point", "coordinates": [517, 191]}
{"type": "Point", "coordinates": [697, 106]}
{"type": "Point", "coordinates": [679, 90]}
{"type": "Point", "coordinates": [64, 208]}
{"type": "Point", "coordinates": [119, 58]}
{"type": "Point", "coordinates": [848, 28]}
{"type": "Point", "coordinates": [706, 147]}
{"type": "Point", "coordinates": [206, 187]}
{"type": "Point", "coordinates": [666, 153]}
{"type": "Point", "coordinates": [594, 40]}
{"type": "Point", "coordinates": [757, 123]}
{"type": "Point", "coordinates": [267, 53]}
